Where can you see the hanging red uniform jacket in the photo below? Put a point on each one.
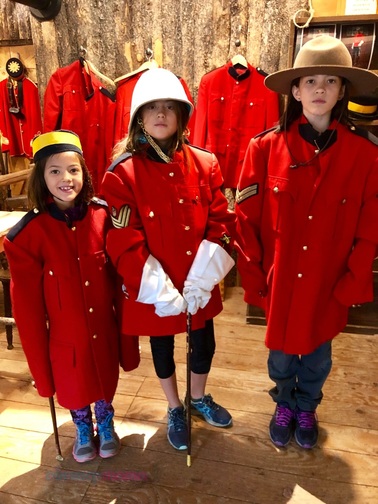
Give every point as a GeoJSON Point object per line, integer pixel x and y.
{"type": "Point", "coordinates": [76, 100]}
{"type": "Point", "coordinates": [124, 93]}
{"type": "Point", "coordinates": [232, 107]}
{"type": "Point", "coordinates": [20, 128]}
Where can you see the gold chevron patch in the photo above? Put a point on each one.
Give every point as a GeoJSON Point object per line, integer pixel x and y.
{"type": "Point", "coordinates": [246, 193]}
{"type": "Point", "coordinates": [123, 218]}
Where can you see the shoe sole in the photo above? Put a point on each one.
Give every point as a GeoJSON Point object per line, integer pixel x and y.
{"type": "Point", "coordinates": [278, 444]}
{"type": "Point", "coordinates": [86, 459]}
{"type": "Point", "coordinates": [109, 455]}
{"type": "Point", "coordinates": [305, 446]}
{"type": "Point", "coordinates": [182, 448]}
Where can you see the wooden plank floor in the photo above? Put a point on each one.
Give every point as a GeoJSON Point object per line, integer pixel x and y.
{"type": "Point", "coordinates": [233, 465]}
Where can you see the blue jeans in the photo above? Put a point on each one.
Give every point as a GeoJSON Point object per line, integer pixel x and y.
{"type": "Point", "coordinates": [299, 379]}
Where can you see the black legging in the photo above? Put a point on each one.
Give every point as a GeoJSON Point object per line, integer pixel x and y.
{"type": "Point", "coordinates": [203, 348]}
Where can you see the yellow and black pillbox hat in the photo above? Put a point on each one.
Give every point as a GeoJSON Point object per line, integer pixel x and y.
{"type": "Point", "coordinates": [55, 142]}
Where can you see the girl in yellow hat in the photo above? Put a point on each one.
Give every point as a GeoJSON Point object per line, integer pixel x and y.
{"type": "Point", "coordinates": [63, 294]}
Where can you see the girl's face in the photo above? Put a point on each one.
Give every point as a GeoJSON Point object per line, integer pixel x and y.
{"type": "Point", "coordinates": [160, 120]}
{"type": "Point", "coordinates": [64, 178]}
{"type": "Point", "coordinates": [319, 94]}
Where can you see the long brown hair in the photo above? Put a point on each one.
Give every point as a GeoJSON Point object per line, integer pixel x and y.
{"type": "Point", "coordinates": [136, 143]}
{"type": "Point", "coordinates": [38, 193]}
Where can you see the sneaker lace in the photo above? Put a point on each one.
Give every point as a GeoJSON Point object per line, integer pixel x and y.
{"type": "Point", "coordinates": [105, 428]}
{"type": "Point", "coordinates": [208, 401]}
{"type": "Point", "coordinates": [176, 419]}
{"type": "Point", "coordinates": [306, 419]}
{"type": "Point", "coordinates": [283, 416]}
{"type": "Point", "coordinates": [84, 432]}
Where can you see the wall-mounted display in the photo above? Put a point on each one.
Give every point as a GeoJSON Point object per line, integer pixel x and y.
{"type": "Point", "coordinates": [359, 34]}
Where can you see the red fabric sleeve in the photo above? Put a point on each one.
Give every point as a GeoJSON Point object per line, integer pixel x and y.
{"type": "Point", "coordinates": [30, 314]}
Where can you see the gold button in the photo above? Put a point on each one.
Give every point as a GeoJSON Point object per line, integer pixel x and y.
{"type": "Point", "coordinates": [344, 201]}
{"type": "Point", "coordinates": [304, 247]}
{"type": "Point", "coordinates": [300, 275]}
{"type": "Point", "coordinates": [151, 214]}
{"type": "Point", "coordinates": [90, 310]}
{"type": "Point", "coordinates": [171, 174]}
{"type": "Point", "coordinates": [189, 252]}
{"type": "Point", "coordinates": [275, 189]}
{"type": "Point", "coordinates": [73, 228]}
{"type": "Point", "coordinates": [181, 201]}
{"type": "Point", "coordinates": [86, 283]}
{"type": "Point", "coordinates": [187, 228]}
{"type": "Point", "coordinates": [51, 273]}
{"type": "Point", "coordinates": [310, 217]}
{"type": "Point", "coordinates": [95, 336]}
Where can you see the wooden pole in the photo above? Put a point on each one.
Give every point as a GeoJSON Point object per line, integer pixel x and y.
{"type": "Point", "coordinates": [188, 388]}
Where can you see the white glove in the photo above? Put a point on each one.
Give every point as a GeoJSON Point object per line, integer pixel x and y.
{"type": "Point", "coordinates": [157, 288]}
{"type": "Point", "coordinates": [210, 266]}
{"type": "Point", "coordinates": [195, 297]}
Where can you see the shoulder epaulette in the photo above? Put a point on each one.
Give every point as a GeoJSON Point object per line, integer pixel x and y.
{"type": "Point", "coordinates": [364, 133]}
{"type": "Point", "coordinates": [22, 223]}
{"type": "Point", "coordinates": [99, 201]}
{"type": "Point", "coordinates": [273, 128]}
{"type": "Point", "coordinates": [262, 72]}
{"type": "Point", "coordinates": [199, 148]}
{"type": "Point", "coordinates": [211, 71]}
{"type": "Point", "coordinates": [119, 159]}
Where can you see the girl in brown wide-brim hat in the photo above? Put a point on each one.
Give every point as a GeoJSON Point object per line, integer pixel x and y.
{"type": "Point", "coordinates": [307, 210]}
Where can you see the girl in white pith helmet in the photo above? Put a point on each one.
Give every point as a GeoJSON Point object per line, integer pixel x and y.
{"type": "Point", "coordinates": [169, 240]}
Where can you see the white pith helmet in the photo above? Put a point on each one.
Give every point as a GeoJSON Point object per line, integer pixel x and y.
{"type": "Point", "coordinates": [157, 84]}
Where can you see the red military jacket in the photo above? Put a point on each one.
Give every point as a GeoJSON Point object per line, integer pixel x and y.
{"type": "Point", "coordinates": [232, 107]}
{"type": "Point", "coordinates": [62, 292]}
{"type": "Point", "coordinates": [78, 101]}
{"type": "Point", "coordinates": [20, 128]}
{"type": "Point", "coordinates": [307, 234]}
{"type": "Point", "coordinates": [165, 210]}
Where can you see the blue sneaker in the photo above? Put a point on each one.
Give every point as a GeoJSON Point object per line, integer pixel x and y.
{"type": "Point", "coordinates": [109, 441]}
{"type": "Point", "coordinates": [213, 413]}
{"type": "Point", "coordinates": [177, 432]}
{"type": "Point", "coordinates": [281, 426]}
{"type": "Point", "coordinates": [306, 429]}
{"type": "Point", "coordinates": [84, 448]}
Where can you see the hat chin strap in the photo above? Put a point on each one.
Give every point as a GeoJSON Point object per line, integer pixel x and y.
{"type": "Point", "coordinates": [296, 163]}
{"type": "Point", "coordinates": [153, 144]}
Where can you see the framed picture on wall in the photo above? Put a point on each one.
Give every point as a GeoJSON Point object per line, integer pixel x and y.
{"type": "Point", "coordinates": [305, 34]}
{"type": "Point", "coordinates": [357, 32]}
{"type": "Point", "coordinates": [360, 40]}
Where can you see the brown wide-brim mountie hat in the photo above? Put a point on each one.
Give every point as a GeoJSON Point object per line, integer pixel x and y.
{"type": "Point", "coordinates": [324, 55]}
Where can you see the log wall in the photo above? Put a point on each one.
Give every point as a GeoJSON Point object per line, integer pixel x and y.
{"type": "Point", "coordinates": [189, 37]}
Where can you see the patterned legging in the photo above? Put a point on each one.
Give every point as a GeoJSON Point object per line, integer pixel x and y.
{"type": "Point", "coordinates": [101, 408]}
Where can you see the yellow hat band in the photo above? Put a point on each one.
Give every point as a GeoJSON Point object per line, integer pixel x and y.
{"type": "Point", "coordinates": [54, 142]}
{"type": "Point", "coordinates": [362, 109]}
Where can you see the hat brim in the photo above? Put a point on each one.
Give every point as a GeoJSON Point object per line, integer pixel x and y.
{"type": "Point", "coordinates": [185, 102]}
{"type": "Point", "coordinates": [361, 81]}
